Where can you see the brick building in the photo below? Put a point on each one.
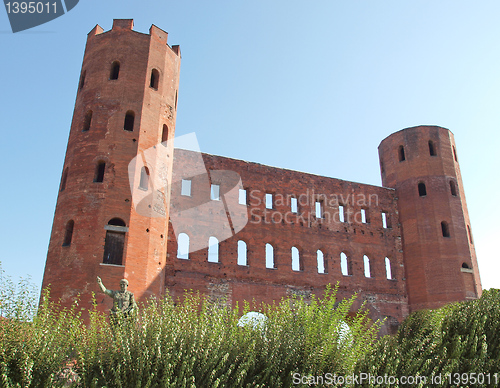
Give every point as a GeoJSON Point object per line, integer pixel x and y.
{"type": "Point", "coordinates": [130, 207]}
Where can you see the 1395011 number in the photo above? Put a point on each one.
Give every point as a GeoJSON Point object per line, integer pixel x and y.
{"type": "Point", "coordinates": [31, 7]}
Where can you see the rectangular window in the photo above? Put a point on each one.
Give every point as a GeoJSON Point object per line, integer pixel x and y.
{"type": "Point", "coordinates": [269, 201]}
{"type": "Point", "coordinates": [186, 187]}
{"type": "Point", "coordinates": [384, 220]}
{"type": "Point", "coordinates": [341, 213]}
{"type": "Point", "coordinates": [318, 209]}
{"type": "Point", "coordinates": [363, 216]}
{"type": "Point", "coordinates": [293, 205]}
{"type": "Point", "coordinates": [242, 197]}
{"type": "Point", "coordinates": [215, 192]}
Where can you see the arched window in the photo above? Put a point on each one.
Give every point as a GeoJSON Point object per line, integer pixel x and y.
{"type": "Point", "coordinates": [320, 257]}
{"type": "Point", "coordinates": [128, 124]}
{"type": "Point", "coordinates": [345, 265]}
{"type": "Point", "coordinates": [269, 256]}
{"type": "Point", "coordinates": [116, 222]}
{"type": "Point", "coordinates": [453, 188]}
{"type": "Point", "coordinates": [401, 153]}
{"type": "Point", "coordinates": [164, 135]}
{"type": "Point", "coordinates": [242, 252]}
{"type": "Point", "coordinates": [183, 246]}
{"type": "Point", "coordinates": [445, 229]}
{"type": "Point", "coordinates": [213, 250]}
{"type": "Point", "coordinates": [432, 148]}
{"type": "Point", "coordinates": [144, 182]}
{"type": "Point", "coordinates": [422, 191]}
{"type": "Point", "coordinates": [465, 265]}
{"type": "Point", "coordinates": [295, 259]}
{"type": "Point", "coordinates": [155, 79]}
{"type": "Point", "coordinates": [115, 70]}
{"type": "Point", "coordinates": [388, 268]}
{"type": "Point", "coordinates": [64, 179]}
{"type": "Point", "coordinates": [99, 172]}
{"type": "Point", "coordinates": [68, 235]}
{"type": "Point", "coordinates": [87, 121]}
{"type": "Point", "coordinates": [366, 262]}
{"type": "Point", "coordinates": [114, 242]}
{"type": "Point", "coordinates": [82, 80]}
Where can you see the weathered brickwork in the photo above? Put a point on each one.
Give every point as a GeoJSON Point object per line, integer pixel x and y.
{"type": "Point", "coordinates": [237, 230]}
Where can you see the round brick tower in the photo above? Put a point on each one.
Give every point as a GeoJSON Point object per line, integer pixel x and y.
{"type": "Point", "coordinates": [125, 108]}
{"type": "Point", "coordinates": [421, 163]}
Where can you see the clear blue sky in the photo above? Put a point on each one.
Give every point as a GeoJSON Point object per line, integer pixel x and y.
{"type": "Point", "coordinates": [311, 86]}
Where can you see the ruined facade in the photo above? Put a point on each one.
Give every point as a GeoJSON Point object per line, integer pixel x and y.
{"type": "Point", "coordinates": [130, 207]}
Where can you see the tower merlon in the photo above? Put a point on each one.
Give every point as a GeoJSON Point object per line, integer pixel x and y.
{"type": "Point", "coordinates": [126, 24]}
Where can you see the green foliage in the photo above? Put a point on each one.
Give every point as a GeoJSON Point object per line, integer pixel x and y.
{"type": "Point", "coordinates": [462, 338]}
{"type": "Point", "coordinates": [191, 343]}
{"type": "Point", "coordinates": [196, 343]}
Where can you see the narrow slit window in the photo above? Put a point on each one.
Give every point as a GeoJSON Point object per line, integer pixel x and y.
{"type": "Point", "coordinates": [269, 201]}
{"type": "Point", "coordinates": [384, 220]}
{"type": "Point", "coordinates": [242, 197]}
{"type": "Point", "coordinates": [213, 250]}
{"type": "Point", "coordinates": [115, 70]}
{"type": "Point", "coordinates": [432, 148]}
{"type": "Point", "coordinates": [82, 80]}
{"type": "Point", "coordinates": [99, 172]}
{"type": "Point", "coordinates": [345, 265]}
{"type": "Point", "coordinates": [364, 220]}
{"type": "Point", "coordinates": [455, 154]}
{"type": "Point", "coordinates": [164, 135]}
{"type": "Point", "coordinates": [68, 234]}
{"type": "Point", "coordinates": [470, 235]}
{"type": "Point", "coordinates": [388, 269]}
{"type": "Point", "coordinates": [295, 259]}
{"type": "Point", "coordinates": [319, 209]}
{"type": "Point", "coordinates": [401, 153]}
{"type": "Point", "coordinates": [215, 192]}
{"type": "Point", "coordinates": [366, 262]}
{"type": "Point", "coordinates": [186, 187]}
{"type": "Point", "coordinates": [242, 253]}
{"type": "Point", "coordinates": [422, 190]}
{"type": "Point", "coordinates": [320, 258]}
{"type": "Point", "coordinates": [87, 121]}
{"type": "Point", "coordinates": [445, 229]}
{"type": "Point", "coordinates": [128, 124]}
{"type": "Point", "coordinates": [293, 205]}
{"type": "Point", "coordinates": [176, 99]}
{"type": "Point", "coordinates": [64, 179]}
{"type": "Point", "coordinates": [114, 242]}
{"type": "Point", "coordinates": [341, 213]}
{"type": "Point", "coordinates": [269, 256]}
{"type": "Point", "coordinates": [453, 188]}
{"type": "Point", "coordinates": [155, 79]}
{"type": "Point", "coordinates": [144, 182]}
{"type": "Point", "coordinates": [183, 246]}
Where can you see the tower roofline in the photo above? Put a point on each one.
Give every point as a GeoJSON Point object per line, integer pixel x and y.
{"type": "Point", "coordinates": [415, 127]}
{"type": "Point", "coordinates": [128, 24]}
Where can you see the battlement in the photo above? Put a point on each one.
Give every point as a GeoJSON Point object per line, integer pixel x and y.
{"type": "Point", "coordinates": [120, 25]}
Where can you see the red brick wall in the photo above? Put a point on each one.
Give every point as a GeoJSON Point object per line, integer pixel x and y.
{"type": "Point", "coordinates": [200, 218]}
{"type": "Point", "coordinates": [433, 263]}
